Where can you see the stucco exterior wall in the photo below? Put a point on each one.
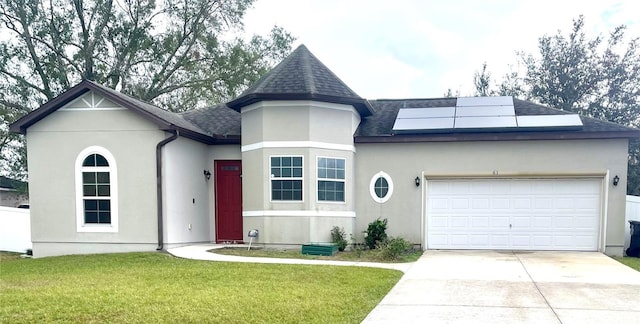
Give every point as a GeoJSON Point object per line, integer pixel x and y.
{"type": "Point", "coordinates": [299, 128]}
{"type": "Point", "coordinates": [406, 161]}
{"type": "Point", "coordinates": [53, 144]}
{"type": "Point", "coordinates": [185, 188]}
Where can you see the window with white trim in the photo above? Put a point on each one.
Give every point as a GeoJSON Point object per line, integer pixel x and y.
{"type": "Point", "coordinates": [96, 191]}
{"type": "Point", "coordinates": [381, 187]}
{"type": "Point", "coordinates": [331, 179]}
{"type": "Point", "coordinates": [286, 178]}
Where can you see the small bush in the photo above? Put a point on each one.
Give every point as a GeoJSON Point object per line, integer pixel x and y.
{"type": "Point", "coordinates": [376, 233]}
{"type": "Point", "coordinates": [393, 248]}
{"type": "Point", "coordinates": [339, 237]}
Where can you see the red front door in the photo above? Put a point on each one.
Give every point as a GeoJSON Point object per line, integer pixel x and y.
{"type": "Point", "coordinates": [228, 201]}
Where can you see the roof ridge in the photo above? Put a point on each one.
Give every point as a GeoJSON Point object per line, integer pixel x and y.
{"type": "Point", "coordinates": [309, 80]}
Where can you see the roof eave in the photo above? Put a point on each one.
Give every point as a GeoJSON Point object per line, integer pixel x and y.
{"type": "Point", "coordinates": [361, 105]}
{"type": "Point", "coordinates": [470, 137]}
{"type": "Point", "coordinates": [206, 139]}
{"type": "Point", "coordinates": [20, 126]}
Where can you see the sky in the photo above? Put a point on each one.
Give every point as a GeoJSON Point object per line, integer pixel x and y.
{"type": "Point", "coordinates": [419, 49]}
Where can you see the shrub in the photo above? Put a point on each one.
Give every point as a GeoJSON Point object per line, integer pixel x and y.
{"type": "Point", "coordinates": [393, 248]}
{"type": "Point", "coordinates": [376, 233]}
{"type": "Point", "coordinates": [339, 237]}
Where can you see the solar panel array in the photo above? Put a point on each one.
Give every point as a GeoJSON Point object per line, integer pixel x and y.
{"type": "Point", "coordinates": [478, 113]}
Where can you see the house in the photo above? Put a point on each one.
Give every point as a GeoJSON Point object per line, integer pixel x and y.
{"type": "Point", "coordinates": [13, 193]}
{"type": "Point", "coordinates": [299, 152]}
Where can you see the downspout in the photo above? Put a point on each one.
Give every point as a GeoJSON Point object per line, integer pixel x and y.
{"type": "Point", "coordinates": [159, 185]}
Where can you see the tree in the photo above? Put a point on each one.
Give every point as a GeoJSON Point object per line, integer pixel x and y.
{"type": "Point", "coordinates": [177, 54]}
{"type": "Point", "coordinates": [482, 81]}
{"type": "Point", "coordinates": [588, 76]}
{"type": "Point", "coordinates": [592, 76]}
{"type": "Point", "coordinates": [451, 94]}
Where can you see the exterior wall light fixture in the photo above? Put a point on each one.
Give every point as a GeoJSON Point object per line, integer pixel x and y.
{"type": "Point", "coordinates": [616, 180]}
{"type": "Point", "coordinates": [207, 174]}
{"type": "Point", "coordinates": [417, 181]}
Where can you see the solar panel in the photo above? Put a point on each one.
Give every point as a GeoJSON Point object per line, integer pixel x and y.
{"type": "Point", "coordinates": [469, 111]}
{"type": "Point", "coordinates": [484, 101]}
{"type": "Point", "coordinates": [569, 120]}
{"type": "Point", "coordinates": [426, 112]}
{"type": "Point", "coordinates": [486, 122]}
{"type": "Point", "coordinates": [423, 124]}
{"type": "Point", "coordinates": [478, 114]}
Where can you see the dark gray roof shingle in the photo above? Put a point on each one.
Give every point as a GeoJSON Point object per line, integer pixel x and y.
{"type": "Point", "coordinates": [301, 76]}
{"type": "Point", "coordinates": [218, 120]}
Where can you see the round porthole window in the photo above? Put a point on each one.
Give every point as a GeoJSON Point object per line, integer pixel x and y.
{"type": "Point", "coordinates": [381, 187]}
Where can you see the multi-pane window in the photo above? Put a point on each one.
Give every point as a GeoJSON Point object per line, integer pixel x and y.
{"type": "Point", "coordinates": [330, 179]}
{"type": "Point", "coordinates": [96, 190]}
{"type": "Point", "coordinates": [381, 187]}
{"type": "Point", "coordinates": [286, 178]}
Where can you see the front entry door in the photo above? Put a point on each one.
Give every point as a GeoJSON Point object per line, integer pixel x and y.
{"type": "Point", "coordinates": [228, 189]}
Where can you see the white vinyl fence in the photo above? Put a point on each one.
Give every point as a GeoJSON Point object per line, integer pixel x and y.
{"type": "Point", "coordinates": [15, 229]}
{"type": "Point", "coordinates": [633, 213]}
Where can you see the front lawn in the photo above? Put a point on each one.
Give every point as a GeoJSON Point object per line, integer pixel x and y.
{"type": "Point", "coordinates": [356, 256]}
{"type": "Point", "coordinates": [156, 287]}
{"type": "Point", "coordinates": [633, 263]}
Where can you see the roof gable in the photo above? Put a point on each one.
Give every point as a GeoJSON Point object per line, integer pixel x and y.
{"type": "Point", "coordinates": [165, 120]}
{"type": "Point", "coordinates": [301, 76]}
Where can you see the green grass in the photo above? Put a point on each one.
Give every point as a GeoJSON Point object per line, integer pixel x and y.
{"type": "Point", "coordinates": [158, 288]}
{"type": "Point", "coordinates": [359, 256]}
{"type": "Point", "coordinates": [633, 263]}
{"type": "Point", "coordinates": [6, 256]}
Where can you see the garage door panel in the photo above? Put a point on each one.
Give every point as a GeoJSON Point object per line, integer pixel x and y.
{"type": "Point", "coordinates": [520, 221]}
{"type": "Point", "coordinates": [459, 222]}
{"type": "Point", "coordinates": [543, 203]}
{"type": "Point", "coordinates": [526, 214]}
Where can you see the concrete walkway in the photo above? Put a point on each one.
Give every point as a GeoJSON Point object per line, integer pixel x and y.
{"type": "Point", "coordinates": [508, 287]}
{"type": "Point", "coordinates": [200, 252]}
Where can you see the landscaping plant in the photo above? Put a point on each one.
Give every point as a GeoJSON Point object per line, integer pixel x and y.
{"type": "Point", "coordinates": [376, 233]}
{"type": "Point", "coordinates": [339, 237]}
{"type": "Point", "coordinates": [393, 248]}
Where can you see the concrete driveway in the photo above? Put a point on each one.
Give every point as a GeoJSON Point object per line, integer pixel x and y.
{"type": "Point", "coordinates": [513, 287]}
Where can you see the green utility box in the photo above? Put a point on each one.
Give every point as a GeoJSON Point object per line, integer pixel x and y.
{"type": "Point", "coordinates": [319, 248]}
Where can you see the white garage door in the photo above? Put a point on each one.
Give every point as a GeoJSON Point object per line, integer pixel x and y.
{"type": "Point", "coordinates": [514, 214]}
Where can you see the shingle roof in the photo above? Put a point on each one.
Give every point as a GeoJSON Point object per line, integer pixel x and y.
{"type": "Point", "coordinates": [301, 76]}
{"type": "Point", "coordinates": [378, 127]}
{"type": "Point", "coordinates": [217, 120]}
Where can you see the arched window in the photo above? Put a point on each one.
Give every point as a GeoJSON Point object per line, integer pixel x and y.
{"type": "Point", "coordinates": [381, 187]}
{"type": "Point", "coordinates": [96, 191]}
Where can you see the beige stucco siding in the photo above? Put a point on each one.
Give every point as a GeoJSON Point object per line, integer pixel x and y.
{"type": "Point", "coordinates": [295, 121]}
{"type": "Point", "coordinates": [300, 128]}
{"type": "Point", "coordinates": [185, 191]}
{"type": "Point", "coordinates": [406, 161]}
{"type": "Point", "coordinates": [53, 145]}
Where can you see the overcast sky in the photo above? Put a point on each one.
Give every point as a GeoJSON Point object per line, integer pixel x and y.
{"type": "Point", "coordinates": [420, 48]}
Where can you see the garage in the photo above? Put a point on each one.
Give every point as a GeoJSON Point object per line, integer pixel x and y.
{"type": "Point", "coordinates": [514, 214]}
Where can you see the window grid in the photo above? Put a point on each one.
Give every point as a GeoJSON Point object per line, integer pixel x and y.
{"type": "Point", "coordinates": [96, 190]}
{"type": "Point", "coordinates": [381, 187]}
{"type": "Point", "coordinates": [286, 178]}
{"type": "Point", "coordinates": [331, 175]}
